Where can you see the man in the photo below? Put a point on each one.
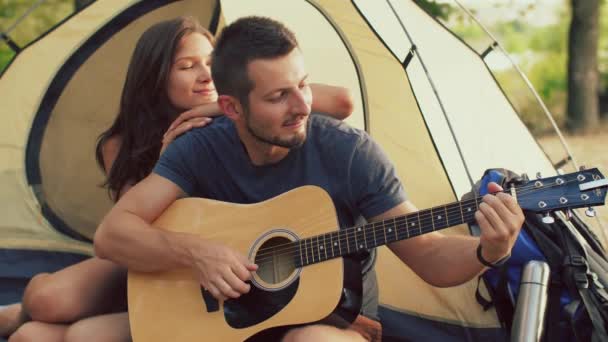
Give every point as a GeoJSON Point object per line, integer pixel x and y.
{"type": "Point", "coordinates": [268, 144]}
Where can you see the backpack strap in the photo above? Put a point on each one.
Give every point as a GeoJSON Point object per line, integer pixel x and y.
{"type": "Point", "coordinates": [581, 278]}
{"type": "Point", "coordinates": [486, 304]}
{"type": "Point", "coordinates": [501, 298]}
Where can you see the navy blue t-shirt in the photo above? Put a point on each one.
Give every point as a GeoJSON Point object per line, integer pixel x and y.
{"type": "Point", "coordinates": [211, 162]}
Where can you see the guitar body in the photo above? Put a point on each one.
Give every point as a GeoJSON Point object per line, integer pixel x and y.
{"type": "Point", "coordinates": [170, 306]}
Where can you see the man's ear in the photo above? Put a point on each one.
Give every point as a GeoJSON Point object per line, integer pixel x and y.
{"type": "Point", "coordinates": [230, 106]}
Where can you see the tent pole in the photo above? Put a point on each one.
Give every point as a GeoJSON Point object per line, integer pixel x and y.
{"type": "Point", "coordinates": [23, 16]}
{"type": "Point", "coordinates": [528, 83]}
{"type": "Point", "coordinates": [414, 50]}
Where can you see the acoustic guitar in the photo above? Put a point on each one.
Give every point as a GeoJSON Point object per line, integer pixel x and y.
{"type": "Point", "coordinates": [306, 270]}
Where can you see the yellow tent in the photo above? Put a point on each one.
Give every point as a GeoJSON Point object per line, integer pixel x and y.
{"type": "Point", "coordinates": [427, 97]}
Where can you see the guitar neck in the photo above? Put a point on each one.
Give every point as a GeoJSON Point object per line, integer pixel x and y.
{"type": "Point", "coordinates": [351, 240]}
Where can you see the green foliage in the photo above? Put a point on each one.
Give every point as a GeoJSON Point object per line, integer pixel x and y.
{"type": "Point", "coordinates": [435, 8]}
{"type": "Point", "coordinates": [541, 53]}
{"type": "Point", "coordinates": [39, 21]}
{"type": "Point", "coordinates": [6, 54]}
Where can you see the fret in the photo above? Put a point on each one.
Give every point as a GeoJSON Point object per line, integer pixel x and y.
{"type": "Point", "coordinates": [447, 217]}
{"type": "Point", "coordinates": [348, 239]}
{"type": "Point", "coordinates": [454, 214]}
{"type": "Point", "coordinates": [420, 224]}
{"type": "Point", "coordinates": [383, 235]}
{"type": "Point", "coordinates": [318, 249]}
{"type": "Point", "coordinates": [325, 245]}
{"type": "Point", "coordinates": [414, 224]}
{"type": "Point", "coordinates": [300, 250]}
{"type": "Point", "coordinates": [374, 234]}
{"type": "Point", "coordinates": [338, 237]}
{"type": "Point", "coordinates": [312, 251]}
{"type": "Point", "coordinates": [297, 258]}
{"type": "Point", "coordinates": [396, 229]}
{"type": "Point", "coordinates": [331, 244]}
{"type": "Point", "coordinates": [360, 238]}
{"type": "Point", "coordinates": [305, 251]}
{"type": "Point", "coordinates": [407, 224]}
{"type": "Point", "coordinates": [469, 210]}
{"type": "Point", "coordinates": [476, 204]}
{"type": "Point", "coordinates": [356, 242]}
{"type": "Point", "coordinates": [439, 218]}
{"type": "Point", "coordinates": [461, 213]}
{"type": "Point", "coordinates": [364, 237]}
{"type": "Point", "coordinates": [384, 231]}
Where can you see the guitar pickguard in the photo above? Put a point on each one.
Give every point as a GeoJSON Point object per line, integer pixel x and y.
{"type": "Point", "coordinates": [257, 306]}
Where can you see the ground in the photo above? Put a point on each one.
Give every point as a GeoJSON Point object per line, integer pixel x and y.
{"type": "Point", "coordinates": [591, 151]}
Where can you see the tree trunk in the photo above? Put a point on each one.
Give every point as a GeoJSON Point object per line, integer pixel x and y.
{"type": "Point", "coordinates": [583, 75]}
{"type": "Point", "coordinates": [79, 4]}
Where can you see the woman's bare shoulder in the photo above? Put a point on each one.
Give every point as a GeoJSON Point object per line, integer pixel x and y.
{"type": "Point", "coordinates": [110, 149]}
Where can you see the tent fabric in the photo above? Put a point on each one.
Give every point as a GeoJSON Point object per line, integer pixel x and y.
{"type": "Point", "coordinates": [399, 326]}
{"type": "Point", "coordinates": [79, 113]}
{"type": "Point", "coordinates": [29, 262]}
{"type": "Point", "coordinates": [424, 95]}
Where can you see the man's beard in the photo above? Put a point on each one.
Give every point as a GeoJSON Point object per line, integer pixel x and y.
{"type": "Point", "coordinates": [294, 141]}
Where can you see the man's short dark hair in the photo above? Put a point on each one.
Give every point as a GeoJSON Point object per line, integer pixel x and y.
{"type": "Point", "coordinates": [240, 43]}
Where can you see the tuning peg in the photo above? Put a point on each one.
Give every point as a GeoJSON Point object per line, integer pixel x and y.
{"type": "Point", "coordinates": [582, 168]}
{"type": "Point", "coordinates": [538, 175]}
{"type": "Point", "coordinates": [548, 219]}
{"type": "Point", "coordinates": [524, 177]}
{"type": "Point", "coordinates": [568, 214]}
{"type": "Point", "coordinates": [590, 212]}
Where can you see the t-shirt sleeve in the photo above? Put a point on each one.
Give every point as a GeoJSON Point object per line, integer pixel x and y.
{"type": "Point", "coordinates": [373, 180]}
{"type": "Point", "coordinates": [176, 164]}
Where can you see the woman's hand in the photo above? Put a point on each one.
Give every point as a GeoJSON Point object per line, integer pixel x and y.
{"type": "Point", "coordinates": [199, 116]}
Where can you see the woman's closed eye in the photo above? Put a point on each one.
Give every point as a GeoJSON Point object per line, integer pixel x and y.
{"type": "Point", "coordinates": [186, 66]}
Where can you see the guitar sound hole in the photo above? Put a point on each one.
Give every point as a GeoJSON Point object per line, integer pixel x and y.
{"type": "Point", "coordinates": [275, 260]}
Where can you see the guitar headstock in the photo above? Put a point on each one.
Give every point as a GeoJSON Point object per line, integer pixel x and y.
{"type": "Point", "coordinates": [585, 188]}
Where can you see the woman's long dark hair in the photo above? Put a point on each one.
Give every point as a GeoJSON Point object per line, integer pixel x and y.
{"type": "Point", "coordinates": [145, 111]}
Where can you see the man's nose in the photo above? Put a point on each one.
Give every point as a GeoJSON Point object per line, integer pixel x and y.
{"type": "Point", "coordinates": [302, 101]}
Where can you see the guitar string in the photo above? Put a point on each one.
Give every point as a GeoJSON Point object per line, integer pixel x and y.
{"type": "Point", "coordinates": [357, 240]}
{"type": "Point", "coordinates": [443, 208]}
{"type": "Point", "coordinates": [424, 217]}
{"type": "Point", "coordinates": [352, 241]}
{"type": "Point", "coordinates": [316, 255]}
{"type": "Point", "coordinates": [428, 213]}
{"type": "Point", "coordinates": [316, 252]}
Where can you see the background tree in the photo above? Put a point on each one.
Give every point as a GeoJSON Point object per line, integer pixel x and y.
{"type": "Point", "coordinates": [583, 75]}
{"type": "Point", "coordinates": [78, 4]}
{"type": "Point", "coordinates": [43, 16]}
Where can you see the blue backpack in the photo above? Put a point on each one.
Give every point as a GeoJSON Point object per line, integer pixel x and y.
{"type": "Point", "coordinates": [577, 306]}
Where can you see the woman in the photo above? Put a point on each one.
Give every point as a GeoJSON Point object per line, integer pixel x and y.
{"type": "Point", "coordinates": [169, 74]}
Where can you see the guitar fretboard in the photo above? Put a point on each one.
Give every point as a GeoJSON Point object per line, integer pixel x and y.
{"type": "Point", "coordinates": [351, 240]}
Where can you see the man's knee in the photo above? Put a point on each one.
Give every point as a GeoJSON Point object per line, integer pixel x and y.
{"type": "Point", "coordinates": [321, 333]}
{"type": "Point", "coordinates": [44, 302]}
